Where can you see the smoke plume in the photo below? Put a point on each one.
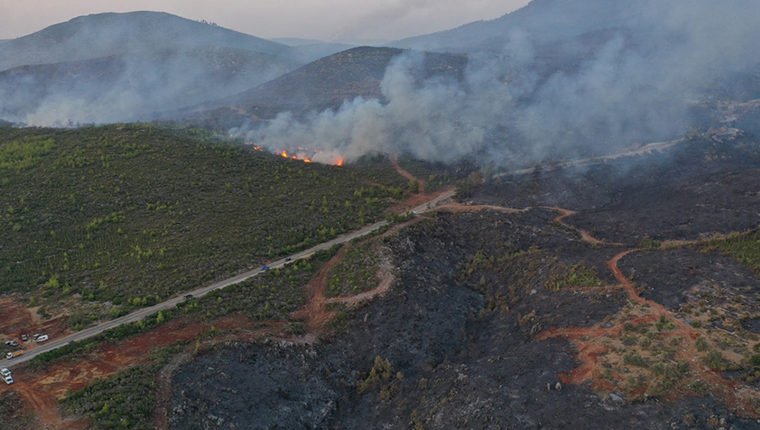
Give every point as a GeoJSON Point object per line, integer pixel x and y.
{"type": "Point", "coordinates": [591, 94]}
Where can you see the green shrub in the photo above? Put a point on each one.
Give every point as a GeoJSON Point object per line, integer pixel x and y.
{"type": "Point", "coordinates": [579, 275]}
{"type": "Point", "coordinates": [701, 344]}
{"type": "Point", "coordinates": [649, 243]}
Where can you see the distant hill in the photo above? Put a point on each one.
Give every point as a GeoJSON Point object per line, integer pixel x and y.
{"type": "Point", "coordinates": [543, 20]}
{"type": "Point", "coordinates": [133, 86]}
{"type": "Point", "coordinates": [353, 73]}
{"type": "Point", "coordinates": [107, 34]}
{"type": "Point", "coordinates": [123, 67]}
{"type": "Point", "coordinates": [322, 84]}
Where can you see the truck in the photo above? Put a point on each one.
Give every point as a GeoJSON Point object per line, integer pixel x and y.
{"type": "Point", "coordinates": [14, 354]}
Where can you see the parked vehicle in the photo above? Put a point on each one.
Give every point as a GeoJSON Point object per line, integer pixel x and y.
{"type": "Point", "coordinates": [5, 372]}
{"type": "Point", "coordinates": [42, 338]}
{"type": "Point", "coordinates": [24, 337]}
{"type": "Point", "coordinates": [36, 336]}
{"type": "Point", "coordinates": [8, 379]}
{"type": "Point", "coordinates": [14, 354]}
{"type": "Point", "coordinates": [11, 343]}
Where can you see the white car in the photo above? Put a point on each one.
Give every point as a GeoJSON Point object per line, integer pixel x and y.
{"type": "Point", "coordinates": [5, 372]}
{"type": "Point", "coordinates": [8, 379]}
{"type": "Point", "coordinates": [42, 338]}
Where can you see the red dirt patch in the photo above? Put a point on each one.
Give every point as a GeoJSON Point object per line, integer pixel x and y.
{"type": "Point", "coordinates": [314, 311]}
{"type": "Point", "coordinates": [18, 319]}
{"type": "Point", "coordinates": [585, 235]}
{"type": "Point", "coordinates": [589, 346]}
{"type": "Point", "coordinates": [41, 390]}
{"type": "Point", "coordinates": [407, 175]}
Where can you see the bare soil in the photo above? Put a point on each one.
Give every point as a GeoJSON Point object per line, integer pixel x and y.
{"type": "Point", "coordinates": [18, 318]}
{"type": "Point", "coordinates": [40, 390]}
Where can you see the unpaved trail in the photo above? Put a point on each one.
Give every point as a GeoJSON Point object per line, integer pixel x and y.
{"type": "Point", "coordinates": [407, 175]}
{"type": "Point", "coordinates": [385, 275]}
{"type": "Point", "coordinates": [585, 235]}
{"type": "Point", "coordinates": [563, 214]}
{"type": "Point", "coordinates": [455, 207]}
{"type": "Point", "coordinates": [590, 344]}
{"type": "Point", "coordinates": [315, 312]}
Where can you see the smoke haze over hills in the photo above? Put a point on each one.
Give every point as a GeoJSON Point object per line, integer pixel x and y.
{"type": "Point", "coordinates": [554, 79]}
{"type": "Point", "coordinates": [630, 78]}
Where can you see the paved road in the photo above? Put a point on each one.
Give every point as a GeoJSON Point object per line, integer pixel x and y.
{"type": "Point", "coordinates": [170, 303]}
{"type": "Point", "coordinates": [646, 149]}
{"type": "Point", "coordinates": [142, 313]}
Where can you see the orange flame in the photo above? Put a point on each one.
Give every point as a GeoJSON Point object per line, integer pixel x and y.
{"type": "Point", "coordinates": [306, 155]}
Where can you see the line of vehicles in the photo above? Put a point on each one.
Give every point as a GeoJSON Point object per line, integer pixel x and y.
{"type": "Point", "coordinates": [5, 373]}
{"type": "Point", "coordinates": [39, 338]}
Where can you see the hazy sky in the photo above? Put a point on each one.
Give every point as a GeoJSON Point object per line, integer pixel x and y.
{"type": "Point", "coordinates": [323, 19]}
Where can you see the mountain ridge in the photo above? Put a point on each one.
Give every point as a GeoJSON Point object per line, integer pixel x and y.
{"type": "Point", "coordinates": [119, 33]}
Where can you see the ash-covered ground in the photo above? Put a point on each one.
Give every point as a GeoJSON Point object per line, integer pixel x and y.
{"type": "Point", "coordinates": [454, 344]}
{"type": "Point", "coordinates": [696, 188]}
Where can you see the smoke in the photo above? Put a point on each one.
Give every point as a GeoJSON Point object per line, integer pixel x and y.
{"type": "Point", "coordinates": [125, 67]}
{"type": "Point", "coordinates": [125, 88]}
{"type": "Point", "coordinates": [593, 94]}
{"type": "Point", "coordinates": [386, 15]}
{"type": "Point", "coordinates": [418, 120]}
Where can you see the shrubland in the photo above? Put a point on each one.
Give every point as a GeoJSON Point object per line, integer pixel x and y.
{"type": "Point", "coordinates": [124, 216]}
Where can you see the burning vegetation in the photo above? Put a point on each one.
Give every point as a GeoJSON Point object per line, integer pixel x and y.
{"type": "Point", "coordinates": [307, 155]}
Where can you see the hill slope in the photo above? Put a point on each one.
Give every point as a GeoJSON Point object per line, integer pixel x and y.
{"type": "Point", "coordinates": [132, 86]}
{"type": "Point", "coordinates": [545, 20]}
{"type": "Point", "coordinates": [124, 67]}
{"type": "Point", "coordinates": [322, 84]}
{"type": "Point", "coordinates": [101, 35]}
{"type": "Point", "coordinates": [124, 211]}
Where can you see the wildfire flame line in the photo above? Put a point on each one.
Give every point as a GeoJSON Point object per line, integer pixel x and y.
{"type": "Point", "coordinates": [304, 154]}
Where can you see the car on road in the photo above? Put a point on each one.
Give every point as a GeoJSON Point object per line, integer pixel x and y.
{"type": "Point", "coordinates": [188, 296]}
{"type": "Point", "coordinates": [288, 259]}
{"type": "Point", "coordinates": [42, 338]}
{"type": "Point", "coordinates": [13, 354]}
{"type": "Point", "coordinates": [264, 267]}
{"type": "Point", "coordinates": [5, 372]}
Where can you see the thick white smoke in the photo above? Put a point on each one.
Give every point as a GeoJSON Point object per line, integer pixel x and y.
{"type": "Point", "coordinates": [637, 87]}
{"type": "Point", "coordinates": [418, 120]}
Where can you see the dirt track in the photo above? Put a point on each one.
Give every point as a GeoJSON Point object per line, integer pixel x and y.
{"type": "Point", "coordinates": [589, 344]}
